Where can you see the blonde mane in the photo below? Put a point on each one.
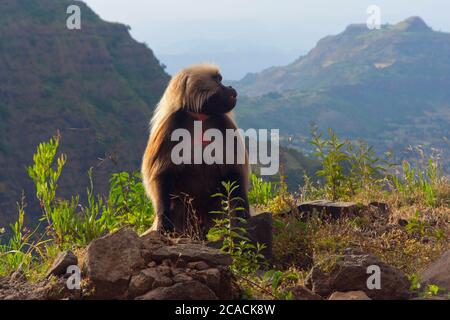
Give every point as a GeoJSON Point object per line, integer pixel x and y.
{"type": "Point", "coordinates": [184, 90]}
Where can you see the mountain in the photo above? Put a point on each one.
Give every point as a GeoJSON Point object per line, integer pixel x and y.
{"type": "Point", "coordinates": [97, 86]}
{"type": "Point", "coordinates": [389, 86]}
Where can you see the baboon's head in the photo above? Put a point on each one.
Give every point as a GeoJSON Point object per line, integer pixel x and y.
{"type": "Point", "coordinates": [199, 89]}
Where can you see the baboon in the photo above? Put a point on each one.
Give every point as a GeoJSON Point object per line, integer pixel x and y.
{"type": "Point", "coordinates": [196, 93]}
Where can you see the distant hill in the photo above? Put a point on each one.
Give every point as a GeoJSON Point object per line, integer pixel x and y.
{"type": "Point", "coordinates": [389, 86]}
{"type": "Point", "coordinates": [96, 85]}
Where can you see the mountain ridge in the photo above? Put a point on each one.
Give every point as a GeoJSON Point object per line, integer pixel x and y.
{"type": "Point", "coordinates": [390, 87]}
{"type": "Point", "coordinates": [306, 72]}
{"type": "Point", "coordinates": [88, 84]}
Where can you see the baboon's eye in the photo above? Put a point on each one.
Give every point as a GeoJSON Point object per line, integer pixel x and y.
{"type": "Point", "coordinates": [218, 77]}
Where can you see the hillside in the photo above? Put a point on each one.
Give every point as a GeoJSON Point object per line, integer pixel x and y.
{"type": "Point", "coordinates": [388, 86]}
{"type": "Point", "coordinates": [96, 85]}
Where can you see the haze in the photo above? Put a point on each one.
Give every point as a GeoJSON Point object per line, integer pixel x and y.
{"type": "Point", "coordinates": [251, 35]}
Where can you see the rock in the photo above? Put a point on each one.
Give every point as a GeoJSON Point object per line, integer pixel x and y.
{"type": "Point", "coordinates": [142, 282]}
{"type": "Point", "coordinates": [162, 281]}
{"type": "Point", "coordinates": [259, 229]}
{"type": "Point", "coordinates": [318, 282]}
{"type": "Point", "coordinates": [192, 290]}
{"type": "Point", "coordinates": [111, 261]}
{"type": "Point", "coordinates": [191, 253]}
{"type": "Point", "coordinates": [349, 273]}
{"type": "Point", "coordinates": [351, 295]}
{"type": "Point", "coordinates": [383, 207]}
{"type": "Point", "coordinates": [115, 267]}
{"type": "Point", "coordinates": [61, 263]}
{"type": "Point", "coordinates": [303, 293]}
{"type": "Point", "coordinates": [164, 270]}
{"type": "Point", "coordinates": [333, 210]}
{"type": "Point", "coordinates": [182, 277]}
{"type": "Point", "coordinates": [219, 280]}
{"type": "Point", "coordinates": [199, 265]}
{"type": "Point", "coordinates": [210, 277]}
{"type": "Point", "coordinates": [438, 272]}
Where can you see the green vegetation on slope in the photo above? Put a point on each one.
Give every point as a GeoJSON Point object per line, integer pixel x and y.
{"type": "Point", "coordinates": [96, 85]}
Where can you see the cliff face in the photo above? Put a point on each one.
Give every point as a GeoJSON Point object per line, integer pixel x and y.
{"type": "Point", "coordinates": [97, 86]}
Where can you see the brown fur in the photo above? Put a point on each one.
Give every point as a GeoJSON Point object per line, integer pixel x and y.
{"type": "Point", "coordinates": [189, 92]}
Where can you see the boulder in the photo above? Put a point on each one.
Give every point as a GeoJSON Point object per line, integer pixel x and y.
{"type": "Point", "coordinates": [318, 281]}
{"type": "Point", "coordinates": [259, 229]}
{"type": "Point", "coordinates": [438, 272]}
{"type": "Point", "coordinates": [199, 265]}
{"type": "Point", "coordinates": [62, 262]}
{"type": "Point", "coordinates": [146, 280]}
{"type": "Point", "coordinates": [192, 290]}
{"type": "Point", "coordinates": [349, 272]}
{"type": "Point", "coordinates": [329, 209]}
{"type": "Point", "coordinates": [303, 293]}
{"type": "Point", "coordinates": [210, 277]}
{"type": "Point", "coordinates": [351, 295]}
{"type": "Point", "coordinates": [191, 252]}
{"type": "Point", "coordinates": [111, 261]}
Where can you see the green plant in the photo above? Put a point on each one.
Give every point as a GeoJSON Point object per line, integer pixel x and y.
{"type": "Point", "coordinates": [68, 221]}
{"type": "Point", "coordinates": [348, 169]}
{"type": "Point", "coordinates": [417, 184]}
{"type": "Point", "coordinates": [416, 226]}
{"type": "Point", "coordinates": [127, 203]}
{"type": "Point", "coordinates": [332, 156]}
{"type": "Point", "coordinates": [18, 252]}
{"type": "Point", "coordinates": [366, 169]}
{"type": "Point", "coordinates": [415, 282]}
{"type": "Point", "coordinates": [230, 230]}
{"type": "Point", "coordinates": [261, 192]}
{"type": "Point", "coordinates": [279, 280]}
{"type": "Point", "coordinates": [89, 223]}
{"type": "Point", "coordinates": [45, 178]}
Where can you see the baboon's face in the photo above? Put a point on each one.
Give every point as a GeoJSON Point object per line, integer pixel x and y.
{"type": "Point", "coordinates": [223, 100]}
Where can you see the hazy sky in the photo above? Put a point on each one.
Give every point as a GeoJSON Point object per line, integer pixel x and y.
{"type": "Point", "coordinates": [280, 30]}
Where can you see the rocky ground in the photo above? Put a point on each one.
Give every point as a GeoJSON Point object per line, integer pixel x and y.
{"type": "Point", "coordinates": [123, 265]}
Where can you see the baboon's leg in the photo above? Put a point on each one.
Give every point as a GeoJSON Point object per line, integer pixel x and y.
{"type": "Point", "coordinates": [161, 191]}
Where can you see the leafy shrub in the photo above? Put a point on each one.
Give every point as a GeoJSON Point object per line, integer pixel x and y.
{"type": "Point", "coordinates": [127, 203]}
{"type": "Point", "coordinates": [332, 156]}
{"type": "Point", "coordinates": [230, 230]}
{"type": "Point", "coordinates": [347, 168]}
{"type": "Point", "coordinates": [261, 192]}
{"type": "Point", "coordinates": [427, 185]}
